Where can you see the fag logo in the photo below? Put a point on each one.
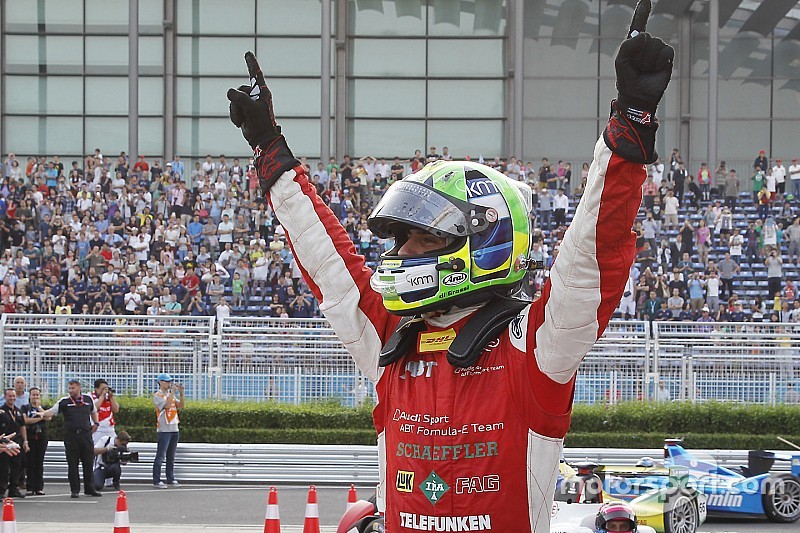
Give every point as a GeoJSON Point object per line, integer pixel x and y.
{"type": "Point", "coordinates": [469, 485]}
{"type": "Point", "coordinates": [434, 487]}
{"type": "Point", "coordinates": [405, 481]}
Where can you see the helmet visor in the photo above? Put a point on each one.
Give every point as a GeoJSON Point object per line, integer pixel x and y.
{"type": "Point", "coordinates": [420, 206]}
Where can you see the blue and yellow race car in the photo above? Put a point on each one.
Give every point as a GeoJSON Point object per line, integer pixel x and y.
{"type": "Point", "coordinates": [668, 508]}
{"type": "Point", "coordinates": [753, 491]}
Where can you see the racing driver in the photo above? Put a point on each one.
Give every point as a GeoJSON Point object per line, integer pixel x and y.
{"type": "Point", "coordinates": [474, 383]}
{"type": "Point", "coordinates": [614, 517]}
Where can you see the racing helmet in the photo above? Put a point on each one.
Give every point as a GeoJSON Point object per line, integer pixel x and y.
{"type": "Point", "coordinates": [647, 462]}
{"type": "Point", "coordinates": [483, 217]}
{"type": "Point", "coordinates": [620, 511]}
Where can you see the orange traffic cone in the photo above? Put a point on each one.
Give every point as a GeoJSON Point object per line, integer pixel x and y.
{"type": "Point", "coordinates": [352, 498]}
{"type": "Point", "coordinates": [272, 522]}
{"type": "Point", "coordinates": [121, 523]}
{"type": "Point", "coordinates": [9, 524]}
{"type": "Point", "coordinates": [311, 524]}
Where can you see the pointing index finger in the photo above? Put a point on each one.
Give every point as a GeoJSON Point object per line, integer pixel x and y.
{"type": "Point", "coordinates": [640, 16]}
{"type": "Point", "coordinates": [254, 69]}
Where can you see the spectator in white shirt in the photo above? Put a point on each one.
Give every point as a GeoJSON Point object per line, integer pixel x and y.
{"type": "Point", "coordinates": [225, 229]}
{"type": "Point", "coordinates": [671, 205]}
{"type": "Point", "coordinates": [794, 177]}
{"type": "Point", "coordinates": [779, 173]}
{"type": "Point", "coordinates": [560, 207]}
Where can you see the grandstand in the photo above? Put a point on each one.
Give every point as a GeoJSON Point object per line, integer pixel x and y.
{"type": "Point", "coordinates": [78, 241]}
{"type": "Point", "coordinates": [155, 258]}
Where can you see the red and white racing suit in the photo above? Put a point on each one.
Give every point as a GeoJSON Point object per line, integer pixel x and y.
{"type": "Point", "coordinates": [474, 449]}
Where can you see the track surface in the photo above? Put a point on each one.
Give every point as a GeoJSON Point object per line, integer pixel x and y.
{"type": "Point", "coordinates": [234, 508]}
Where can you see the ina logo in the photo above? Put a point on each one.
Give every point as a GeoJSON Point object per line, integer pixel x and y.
{"type": "Point", "coordinates": [434, 487]}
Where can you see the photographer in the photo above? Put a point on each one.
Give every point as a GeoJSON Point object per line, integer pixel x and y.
{"type": "Point", "coordinates": [167, 400]}
{"type": "Point", "coordinates": [109, 456]}
{"type": "Point", "coordinates": [37, 441]}
{"type": "Point", "coordinates": [106, 403]}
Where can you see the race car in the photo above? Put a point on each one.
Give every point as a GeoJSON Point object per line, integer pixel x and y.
{"type": "Point", "coordinates": [752, 492]}
{"type": "Point", "coordinates": [582, 487]}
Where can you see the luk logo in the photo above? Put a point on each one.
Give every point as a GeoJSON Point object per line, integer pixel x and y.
{"type": "Point", "coordinates": [469, 485]}
{"type": "Point", "coordinates": [417, 281]}
{"type": "Point", "coordinates": [405, 481]}
{"type": "Point", "coordinates": [434, 487]}
{"type": "Point", "coordinates": [416, 369]}
{"type": "Point", "coordinates": [456, 278]}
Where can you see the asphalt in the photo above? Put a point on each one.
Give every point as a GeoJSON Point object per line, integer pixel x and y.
{"type": "Point", "coordinates": [223, 509]}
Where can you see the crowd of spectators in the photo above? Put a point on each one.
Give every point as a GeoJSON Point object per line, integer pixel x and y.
{"type": "Point", "coordinates": [107, 235]}
{"type": "Point", "coordinates": [705, 241]}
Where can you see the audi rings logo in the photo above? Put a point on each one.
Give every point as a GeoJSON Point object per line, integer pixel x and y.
{"type": "Point", "coordinates": [456, 278]}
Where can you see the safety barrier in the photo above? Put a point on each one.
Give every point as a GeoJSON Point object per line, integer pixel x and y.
{"type": "Point", "coordinates": [322, 465]}
{"type": "Point", "coordinates": [728, 361]}
{"type": "Point", "coordinates": [300, 360]}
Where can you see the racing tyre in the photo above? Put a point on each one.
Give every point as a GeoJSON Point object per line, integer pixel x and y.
{"type": "Point", "coordinates": [781, 498]}
{"type": "Point", "coordinates": [681, 515]}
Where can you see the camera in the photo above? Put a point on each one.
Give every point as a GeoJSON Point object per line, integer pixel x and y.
{"type": "Point", "coordinates": [120, 454]}
{"type": "Point", "coordinates": [111, 390]}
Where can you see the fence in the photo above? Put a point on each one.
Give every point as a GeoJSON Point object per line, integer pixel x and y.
{"type": "Point", "coordinates": [300, 464]}
{"type": "Point", "coordinates": [51, 349]}
{"type": "Point", "coordinates": [730, 361]}
{"type": "Point", "coordinates": [300, 360]}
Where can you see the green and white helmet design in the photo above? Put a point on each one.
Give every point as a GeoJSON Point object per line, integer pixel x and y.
{"type": "Point", "coordinates": [483, 215]}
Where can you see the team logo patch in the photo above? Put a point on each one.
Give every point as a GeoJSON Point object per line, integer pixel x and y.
{"type": "Point", "coordinates": [405, 481]}
{"type": "Point", "coordinates": [436, 341]}
{"type": "Point", "coordinates": [434, 487]}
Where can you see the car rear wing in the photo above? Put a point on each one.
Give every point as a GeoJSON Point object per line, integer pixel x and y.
{"type": "Point", "coordinates": [761, 461]}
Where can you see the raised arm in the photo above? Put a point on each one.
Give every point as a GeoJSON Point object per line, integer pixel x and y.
{"type": "Point", "coordinates": [594, 259]}
{"type": "Point", "coordinates": [336, 274]}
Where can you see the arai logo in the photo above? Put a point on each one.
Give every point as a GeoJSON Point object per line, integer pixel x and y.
{"type": "Point", "coordinates": [456, 278]}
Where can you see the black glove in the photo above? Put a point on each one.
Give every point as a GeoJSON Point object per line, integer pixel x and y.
{"type": "Point", "coordinates": [644, 68]}
{"type": "Point", "coordinates": [251, 110]}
